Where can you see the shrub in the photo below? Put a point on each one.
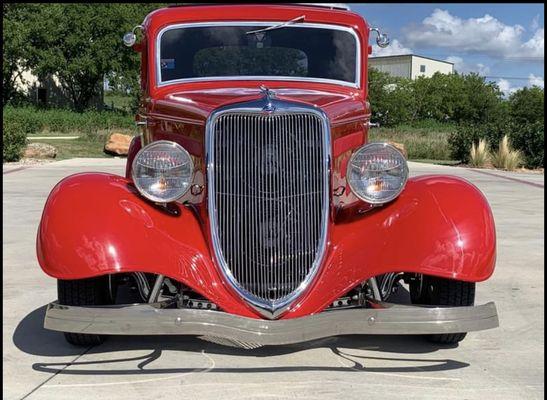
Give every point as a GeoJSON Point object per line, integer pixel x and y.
{"type": "Point", "coordinates": [526, 106]}
{"type": "Point", "coordinates": [505, 157]}
{"type": "Point", "coordinates": [38, 120]}
{"type": "Point", "coordinates": [461, 140]}
{"type": "Point", "coordinates": [479, 155]}
{"type": "Point", "coordinates": [14, 140]}
{"type": "Point", "coordinates": [529, 139]}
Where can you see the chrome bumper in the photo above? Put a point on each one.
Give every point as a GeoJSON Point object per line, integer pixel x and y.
{"type": "Point", "coordinates": [388, 319]}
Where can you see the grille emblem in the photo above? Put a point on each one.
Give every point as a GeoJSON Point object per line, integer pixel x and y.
{"type": "Point", "coordinates": [269, 95]}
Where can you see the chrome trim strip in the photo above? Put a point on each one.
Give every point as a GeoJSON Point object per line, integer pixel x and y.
{"type": "Point", "coordinates": [276, 308]}
{"type": "Point", "coordinates": [356, 84]}
{"type": "Point", "coordinates": [145, 319]}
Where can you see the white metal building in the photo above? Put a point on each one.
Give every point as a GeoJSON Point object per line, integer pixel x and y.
{"type": "Point", "coordinates": [410, 65]}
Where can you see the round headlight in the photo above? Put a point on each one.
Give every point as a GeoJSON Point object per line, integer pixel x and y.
{"type": "Point", "coordinates": [162, 171]}
{"type": "Point", "coordinates": [377, 173]}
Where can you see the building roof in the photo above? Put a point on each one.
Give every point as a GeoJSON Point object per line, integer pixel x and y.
{"type": "Point", "coordinates": [410, 55]}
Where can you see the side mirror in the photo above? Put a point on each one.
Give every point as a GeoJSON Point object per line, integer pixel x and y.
{"type": "Point", "coordinates": [130, 38]}
{"type": "Point", "coordinates": [382, 40]}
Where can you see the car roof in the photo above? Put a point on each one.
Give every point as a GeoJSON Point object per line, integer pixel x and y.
{"type": "Point", "coordinates": [332, 6]}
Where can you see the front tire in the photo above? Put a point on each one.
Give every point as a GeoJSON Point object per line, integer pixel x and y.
{"type": "Point", "coordinates": [431, 290]}
{"type": "Point", "coordinates": [84, 292]}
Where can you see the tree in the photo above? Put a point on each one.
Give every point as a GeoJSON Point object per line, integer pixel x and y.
{"type": "Point", "coordinates": [15, 39]}
{"type": "Point", "coordinates": [457, 98]}
{"type": "Point", "coordinates": [391, 98]}
{"type": "Point", "coordinates": [526, 106]}
{"type": "Point", "coordinates": [81, 44]}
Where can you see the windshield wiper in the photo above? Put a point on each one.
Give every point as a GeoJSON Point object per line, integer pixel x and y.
{"type": "Point", "coordinates": [278, 26]}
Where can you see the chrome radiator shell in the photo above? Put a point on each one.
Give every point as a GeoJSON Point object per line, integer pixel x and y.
{"type": "Point", "coordinates": [233, 181]}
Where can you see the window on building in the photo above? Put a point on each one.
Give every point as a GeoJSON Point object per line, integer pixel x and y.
{"type": "Point", "coordinates": [422, 68]}
{"type": "Point", "coordinates": [42, 96]}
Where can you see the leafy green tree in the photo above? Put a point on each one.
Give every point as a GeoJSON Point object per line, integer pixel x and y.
{"type": "Point", "coordinates": [527, 105]}
{"type": "Point", "coordinates": [81, 44]}
{"type": "Point", "coordinates": [391, 99]}
{"type": "Point", "coordinates": [15, 40]}
{"type": "Point", "coordinates": [457, 98]}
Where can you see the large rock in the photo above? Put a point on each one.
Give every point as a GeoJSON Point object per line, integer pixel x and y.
{"type": "Point", "coordinates": [40, 150]}
{"type": "Point", "coordinates": [400, 147]}
{"type": "Point", "coordinates": [118, 144]}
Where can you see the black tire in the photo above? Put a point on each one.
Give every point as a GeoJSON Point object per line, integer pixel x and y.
{"type": "Point", "coordinates": [443, 292]}
{"type": "Point", "coordinates": [84, 292]}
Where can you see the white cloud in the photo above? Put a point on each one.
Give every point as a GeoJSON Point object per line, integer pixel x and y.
{"type": "Point", "coordinates": [507, 88]}
{"type": "Point", "coordinates": [484, 35]}
{"type": "Point", "coordinates": [464, 68]}
{"type": "Point", "coordinates": [394, 49]}
{"type": "Point", "coordinates": [535, 80]}
{"type": "Point", "coordinates": [535, 46]}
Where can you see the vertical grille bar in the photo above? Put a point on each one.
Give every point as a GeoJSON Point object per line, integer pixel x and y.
{"type": "Point", "coordinates": [269, 199]}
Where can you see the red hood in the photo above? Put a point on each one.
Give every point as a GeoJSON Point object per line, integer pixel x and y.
{"type": "Point", "coordinates": [197, 105]}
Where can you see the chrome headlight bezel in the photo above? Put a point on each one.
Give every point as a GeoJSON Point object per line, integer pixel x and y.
{"type": "Point", "coordinates": [142, 190]}
{"type": "Point", "coordinates": [372, 147]}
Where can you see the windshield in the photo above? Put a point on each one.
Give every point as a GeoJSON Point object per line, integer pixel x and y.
{"type": "Point", "coordinates": [294, 52]}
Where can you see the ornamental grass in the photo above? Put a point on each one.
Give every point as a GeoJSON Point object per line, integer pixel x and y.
{"type": "Point", "coordinates": [505, 157]}
{"type": "Point", "coordinates": [479, 155]}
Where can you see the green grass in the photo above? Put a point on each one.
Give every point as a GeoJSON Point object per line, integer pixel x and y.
{"type": "Point", "coordinates": [76, 148]}
{"type": "Point", "coordinates": [86, 146]}
{"type": "Point", "coordinates": [426, 140]}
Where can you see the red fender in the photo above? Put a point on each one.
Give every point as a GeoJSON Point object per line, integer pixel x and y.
{"type": "Point", "coordinates": [439, 225]}
{"type": "Point", "coordinates": [96, 224]}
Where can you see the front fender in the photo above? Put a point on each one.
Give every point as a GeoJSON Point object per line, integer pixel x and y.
{"type": "Point", "coordinates": [439, 225]}
{"type": "Point", "coordinates": [95, 224]}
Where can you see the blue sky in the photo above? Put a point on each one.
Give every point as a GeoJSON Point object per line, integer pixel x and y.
{"type": "Point", "coordinates": [500, 41]}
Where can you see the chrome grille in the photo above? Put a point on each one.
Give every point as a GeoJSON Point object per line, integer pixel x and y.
{"type": "Point", "coordinates": [268, 200]}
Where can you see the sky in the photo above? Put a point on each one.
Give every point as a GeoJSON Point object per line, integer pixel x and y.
{"type": "Point", "coordinates": [503, 42]}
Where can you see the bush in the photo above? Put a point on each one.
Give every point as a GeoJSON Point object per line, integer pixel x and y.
{"type": "Point", "coordinates": [14, 140]}
{"type": "Point", "coordinates": [526, 106]}
{"type": "Point", "coordinates": [38, 120]}
{"type": "Point", "coordinates": [461, 140]}
{"type": "Point", "coordinates": [529, 139]}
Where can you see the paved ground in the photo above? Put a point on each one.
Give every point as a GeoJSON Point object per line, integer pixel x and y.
{"type": "Point", "coordinates": [506, 363]}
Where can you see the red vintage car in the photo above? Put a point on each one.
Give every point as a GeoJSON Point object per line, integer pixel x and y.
{"type": "Point", "coordinates": [254, 211]}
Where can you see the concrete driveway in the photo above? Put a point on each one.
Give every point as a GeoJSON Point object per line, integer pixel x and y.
{"type": "Point", "coordinates": [505, 363]}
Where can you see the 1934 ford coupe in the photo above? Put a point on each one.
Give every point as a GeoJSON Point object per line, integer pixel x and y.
{"type": "Point", "coordinates": [253, 210]}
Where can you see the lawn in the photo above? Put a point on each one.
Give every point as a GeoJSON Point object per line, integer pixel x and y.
{"type": "Point", "coordinates": [81, 147]}
{"type": "Point", "coordinates": [87, 145]}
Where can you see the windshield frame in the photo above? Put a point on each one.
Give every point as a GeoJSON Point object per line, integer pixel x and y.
{"type": "Point", "coordinates": [157, 56]}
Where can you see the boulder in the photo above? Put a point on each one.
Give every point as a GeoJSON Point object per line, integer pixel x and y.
{"type": "Point", "coordinates": [40, 150]}
{"type": "Point", "coordinates": [118, 144]}
{"type": "Point", "coordinates": [400, 147]}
